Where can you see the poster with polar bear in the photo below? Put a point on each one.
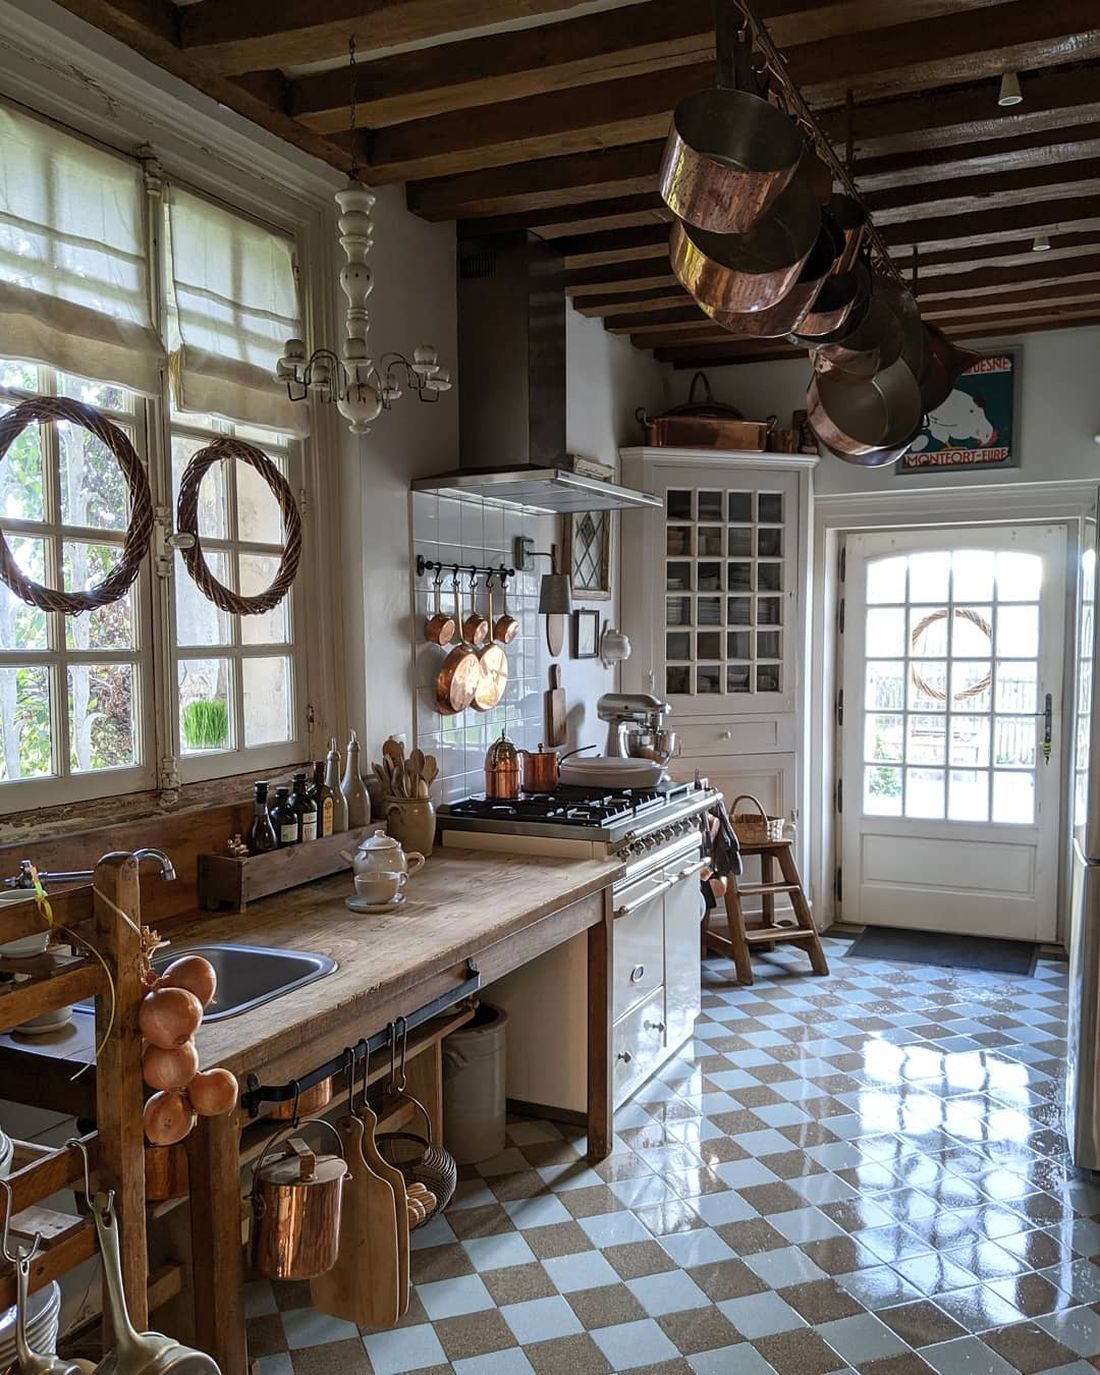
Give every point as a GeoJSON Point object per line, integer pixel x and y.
{"type": "Point", "coordinates": [975, 427]}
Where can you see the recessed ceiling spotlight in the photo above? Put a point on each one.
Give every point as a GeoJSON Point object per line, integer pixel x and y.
{"type": "Point", "coordinates": [1040, 244]}
{"type": "Point", "coordinates": [1010, 93]}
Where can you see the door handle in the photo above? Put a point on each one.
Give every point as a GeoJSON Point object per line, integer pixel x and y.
{"type": "Point", "coordinates": [1048, 726]}
{"type": "Point", "coordinates": [637, 974]}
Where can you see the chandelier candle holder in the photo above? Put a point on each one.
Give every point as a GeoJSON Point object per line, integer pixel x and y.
{"type": "Point", "coordinates": [360, 387]}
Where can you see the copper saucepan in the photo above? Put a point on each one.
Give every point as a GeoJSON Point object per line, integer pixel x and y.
{"type": "Point", "coordinates": [871, 458]}
{"type": "Point", "coordinates": [752, 271]}
{"type": "Point", "coordinates": [900, 300]}
{"type": "Point", "coordinates": [729, 155]}
{"type": "Point", "coordinates": [944, 364]}
{"type": "Point", "coordinates": [855, 417]}
{"type": "Point", "coordinates": [786, 315]}
{"type": "Point", "coordinates": [868, 347]}
{"type": "Point", "coordinates": [492, 667]}
{"type": "Point", "coordinates": [439, 628]}
{"type": "Point", "coordinates": [475, 628]}
{"type": "Point", "coordinates": [458, 676]}
{"type": "Point", "coordinates": [507, 627]}
{"type": "Point", "coordinates": [843, 298]}
{"type": "Point", "coordinates": [851, 220]}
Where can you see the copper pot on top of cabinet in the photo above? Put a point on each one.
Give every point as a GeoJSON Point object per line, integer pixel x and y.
{"type": "Point", "coordinates": [502, 769]}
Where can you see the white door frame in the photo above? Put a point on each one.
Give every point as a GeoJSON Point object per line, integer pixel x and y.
{"type": "Point", "coordinates": [1000, 504]}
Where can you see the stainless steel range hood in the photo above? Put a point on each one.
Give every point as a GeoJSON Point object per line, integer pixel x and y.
{"type": "Point", "coordinates": [511, 384]}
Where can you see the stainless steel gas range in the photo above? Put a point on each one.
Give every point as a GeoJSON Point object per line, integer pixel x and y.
{"type": "Point", "coordinates": [657, 905]}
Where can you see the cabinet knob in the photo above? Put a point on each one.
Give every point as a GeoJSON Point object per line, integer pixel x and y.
{"type": "Point", "coordinates": [625, 1056]}
{"type": "Point", "coordinates": [637, 974]}
{"type": "Point", "coordinates": [725, 735]}
{"type": "Point", "coordinates": [655, 1026]}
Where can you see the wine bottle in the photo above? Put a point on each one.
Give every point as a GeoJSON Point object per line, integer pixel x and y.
{"type": "Point", "coordinates": [285, 818]}
{"type": "Point", "coordinates": [353, 787]}
{"type": "Point", "coordinates": [262, 839]}
{"type": "Point", "coordinates": [305, 808]}
{"type": "Point", "coordinates": [332, 779]}
{"type": "Point", "coordinates": [321, 794]}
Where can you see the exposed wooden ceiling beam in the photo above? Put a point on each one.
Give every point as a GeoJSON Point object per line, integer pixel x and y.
{"type": "Point", "coordinates": [996, 224]}
{"type": "Point", "coordinates": [1015, 149]}
{"type": "Point", "coordinates": [621, 277]}
{"type": "Point", "coordinates": [968, 194]}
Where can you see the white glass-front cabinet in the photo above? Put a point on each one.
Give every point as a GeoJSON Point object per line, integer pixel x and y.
{"type": "Point", "coordinates": [713, 600]}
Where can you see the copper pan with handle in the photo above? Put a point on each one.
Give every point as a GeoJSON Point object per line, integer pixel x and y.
{"type": "Point", "coordinates": [492, 666]}
{"type": "Point", "coordinates": [853, 417]}
{"type": "Point", "coordinates": [944, 364]}
{"type": "Point", "coordinates": [459, 674]}
{"type": "Point", "coordinates": [868, 347]}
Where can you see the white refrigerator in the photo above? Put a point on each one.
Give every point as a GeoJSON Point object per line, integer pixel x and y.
{"type": "Point", "coordinates": [1083, 1052]}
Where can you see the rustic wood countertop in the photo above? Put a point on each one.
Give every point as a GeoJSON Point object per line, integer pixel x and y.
{"type": "Point", "coordinates": [461, 905]}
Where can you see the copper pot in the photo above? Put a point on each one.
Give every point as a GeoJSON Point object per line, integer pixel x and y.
{"type": "Point", "coordinates": [851, 219]}
{"type": "Point", "coordinates": [856, 417]}
{"type": "Point", "coordinates": [439, 628]}
{"type": "Point", "coordinates": [475, 628]}
{"type": "Point", "coordinates": [166, 1173]}
{"type": "Point", "coordinates": [506, 627]}
{"type": "Point", "coordinates": [944, 364]}
{"type": "Point", "coordinates": [296, 1198]}
{"type": "Point", "coordinates": [459, 674]}
{"type": "Point", "coordinates": [493, 668]}
{"type": "Point", "coordinates": [307, 1103]}
{"type": "Point", "coordinates": [502, 769]}
{"type": "Point", "coordinates": [751, 271]}
{"type": "Point", "coordinates": [842, 301]}
{"type": "Point", "coordinates": [871, 458]}
{"type": "Point", "coordinates": [729, 155]}
{"type": "Point", "coordinates": [866, 347]}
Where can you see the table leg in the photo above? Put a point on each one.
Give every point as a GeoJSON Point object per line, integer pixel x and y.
{"type": "Point", "coordinates": [600, 965]}
{"type": "Point", "coordinates": [214, 1161]}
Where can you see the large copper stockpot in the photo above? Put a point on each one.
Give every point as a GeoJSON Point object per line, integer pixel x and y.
{"type": "Point", "coordinates": [752, 271]}
{"type": "Point", "coordinates": [854, 417]}
{"type": "Point", "coordinates": [729, 155]}
{"type": "Point", "coordinates": [296, 1200]}
{"type": "Point", "coordinates": [786, 315]}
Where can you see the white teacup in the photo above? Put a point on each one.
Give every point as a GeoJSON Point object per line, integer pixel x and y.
{"type": "Point", "coordinates": [379, 886]}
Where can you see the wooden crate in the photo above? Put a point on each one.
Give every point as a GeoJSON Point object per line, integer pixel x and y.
{"type": "Point", "coordinates": [226, 884]}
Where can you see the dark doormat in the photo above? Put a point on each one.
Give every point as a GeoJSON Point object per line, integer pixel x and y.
{"type": "Point", "coordinates": [948, 951]}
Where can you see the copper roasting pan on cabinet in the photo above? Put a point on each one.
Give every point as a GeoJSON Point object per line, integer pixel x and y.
{"type": "Point", "coordinates": [705, 424]}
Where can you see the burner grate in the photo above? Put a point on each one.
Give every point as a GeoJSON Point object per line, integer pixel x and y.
{"type": "Point", "coordinates": [581, 807]}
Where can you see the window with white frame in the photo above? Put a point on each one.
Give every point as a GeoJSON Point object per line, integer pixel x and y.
{"type": "Point", "coordinates": [160, 686]}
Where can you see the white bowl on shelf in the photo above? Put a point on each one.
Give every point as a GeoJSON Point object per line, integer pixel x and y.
{"type": "Point", "coordinates": [42, 1324]}
{"type": "Point", "coordinates": [27, 946]}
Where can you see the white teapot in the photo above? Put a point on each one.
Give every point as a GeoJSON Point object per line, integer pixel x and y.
{"type": "Point", "coordinates": [382, 854]}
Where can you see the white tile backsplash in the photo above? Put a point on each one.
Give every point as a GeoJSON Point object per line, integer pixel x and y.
{"type": "Point", "coordinates": [473, 531]}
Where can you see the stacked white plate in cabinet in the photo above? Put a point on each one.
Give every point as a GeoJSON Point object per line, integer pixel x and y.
{"type": "Point", "coordinates": [42, 1325]}
{"type": "Point", "coordinates": [7, 1153]}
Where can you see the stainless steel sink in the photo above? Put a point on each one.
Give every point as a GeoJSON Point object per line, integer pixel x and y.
{"type": "Point", "coordinates": [248, 975]}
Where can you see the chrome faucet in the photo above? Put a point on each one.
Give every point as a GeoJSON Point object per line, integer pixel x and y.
{"type": "Point", "coordinates": [25, 879]}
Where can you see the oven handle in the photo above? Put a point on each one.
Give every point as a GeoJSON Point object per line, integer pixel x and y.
{"type": "Point", "coordinates": [659, 886]}
{"type": "Point", "coordinates": [693, 868]}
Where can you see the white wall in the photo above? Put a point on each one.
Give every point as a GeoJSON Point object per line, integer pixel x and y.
{"type": "Point", "coordinates": [1058, 412]}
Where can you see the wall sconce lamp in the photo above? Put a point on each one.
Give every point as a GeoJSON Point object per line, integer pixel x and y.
{"type": "Point", "coordinates": [555, 595]}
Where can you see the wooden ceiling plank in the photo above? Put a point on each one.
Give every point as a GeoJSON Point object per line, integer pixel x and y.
{"type": "Point", "coordinates": [623, 277]}
{"type": "Point", "coordinates": [653, 298]}
{"type": "Point", "coordinates": [1073, 143]}
{"type": "Point", "coordinates": [980, 228]}
{"type": "Point", "coordinates": [964, 195]}
{"type": "Point", "coordinates": [1041, 272]}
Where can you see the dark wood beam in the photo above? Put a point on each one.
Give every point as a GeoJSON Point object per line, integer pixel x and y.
{"type": "Point", "coordinates": [1014, 150]}
{"type": "Point", "coordinates": [992, 281]}
{"type": "Point", "coordinates": [983, 227]}
{"type": "Point", "coordinates": [622, 277]}
{"type": "Point", "coordinates": [974, 194]}
{"type": "Point", "coordinates": [606, 304]}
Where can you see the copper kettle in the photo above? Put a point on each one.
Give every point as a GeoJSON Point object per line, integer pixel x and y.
{"type": "Point", "coordinates": [502, 769]}
{"type": "Point", "coordinates": [296, 1204]}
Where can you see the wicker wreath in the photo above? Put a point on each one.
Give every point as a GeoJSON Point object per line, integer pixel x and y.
{"type": "Point", "coordinates": [117, 583]}
{"type": "Point", "coordinates": [921, 684]}
{"type": "Point", "coordinates": [187, 523]}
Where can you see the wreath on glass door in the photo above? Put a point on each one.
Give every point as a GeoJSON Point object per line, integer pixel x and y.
{"type": "Point", "coordinates": [187, 523]}
{"type": "Point", "coordinates": [922, 684]}
{"type": "Point", "coordinates": [36, 410]}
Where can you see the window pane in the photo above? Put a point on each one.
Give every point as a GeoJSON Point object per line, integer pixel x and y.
{"type": "Point", "coordinates": [108, 627]}
{"type": "Point", "coordinates": [882, 791]}
{"type": "Point", "coordinates": [198, 620]}
{"type": "Point", "coordinates": [924, 793]}
{"type": "Point", "coordinates": [212, 497]}
{"type": "Point", "coordinates": [1014, 798]}
{"type": "Point", "coordinates": [23, 626]}
{"type": "Point", "coordinates": [105, 395]}
{"type": "Point", "coordinates": [970, 741]}
{"type": "Point", "coordinates": [266, 700]}
{"type": "Point", "coordinates": [1018, 632]}
{"type": "Point", "coordinates": [25, 723]}
{"type": "Point", "coordinates": [928, 631]}
{"type": "Point", "coordinates": [1016, 686]}
{"type": "Point", "coordinates": [18, 376]}
{"type": "Point", "coordinates": [93, 490]}
{"type": "Point", "coordinates": [258, 516]}
{"type": "Point", "coordinates": [927, 740]}
{"type": "Point", "coordinates": [927, 685]}
{"type": "Point", "coordinates": [972, 571]}
{"type": "Point", "coordinates": [971, 688]}
{"type": "Point", "coordinates": [968, 795]}
{"type": "Point", "coordinates": [205, 723]}
{"type": "Point", "coordinates": [257, 573]}
{"type": "Point", "coordinates": [1019, 577]}
{"type": "Point", "coordinates": [101, 716]}
{"type": "Point", "coordinates": [928, 575]}
{"type": "Point", "coordinates": [21, 495]}
{"type": "Point", "coordinates": [885, 687]}
{"type": "Point", "coordinates": [972, 632]}
{"type": "Point", "coordinates": [886, 580]}
{"type": "Point", "coordinates": [885, 632]}
{"type": "Point", "coordinates": [882, 738]}
{"type": "Point", "coordinates": [1014, 741]}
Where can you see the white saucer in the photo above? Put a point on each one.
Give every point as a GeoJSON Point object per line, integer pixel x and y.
{"type": "Point", "coordinates": [358, 904]}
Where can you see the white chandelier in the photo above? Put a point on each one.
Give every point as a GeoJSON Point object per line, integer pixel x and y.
{"type": "Point", "coordinates": [361, 388]}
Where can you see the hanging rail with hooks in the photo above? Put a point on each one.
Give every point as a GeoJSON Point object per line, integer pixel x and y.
{"type": "Point", "coordinates": [472, 570]}
{"type": "Point", "coordinates": [790, 95]}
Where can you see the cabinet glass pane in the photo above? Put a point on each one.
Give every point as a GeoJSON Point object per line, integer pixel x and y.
{"type": "Point", "coordinates": [769, 544]}
{"type": "Point", "coordinates": [678, 541]}
{"type": "Point", "coordinates": [678, 577]}
{"type": "Point", "coordinates": [769, 644]}
{"type": "Point", "coordinates": [769, 611]}
{"type": "Point", "coordinates": [740, 544]}
{"type": "Point", "coordinates": [710, 506]}
{"type": "Point", "coordinates": [770, 508]}
{"type": "Point", "coordinates": [678, 645]}
{"type": "Point", "coordinates": [769, 577]}
{"type": "Point", "coordinates": [708, 678]}
{"type": "Point", "coordinates": [767, 677]}
{"type": "Point", "coordinates": [710, 541]}
{"type": "Point", "coordinates": [738, 677]}
{"type": "Point", "coordinates": [680, 506]}
{"type": "Point", "coordinates": [739, 644]}
{"type": "Point", "coordinates": [708, 644]}
{"type": "Point", "coordinates": [710, 577]}
{"type": "Point", "coordinates": [739, 610]}
{"type": "Point", "coordinates": [740, 577]}
{"type": "Point", "coordinates": [678, 680]}
{"type": "Point", "coordinates": [677, 610]}
{"type": "Point", "coordinates": [709, 610]}
{"type": "Point", "coordinates": [740, 508]}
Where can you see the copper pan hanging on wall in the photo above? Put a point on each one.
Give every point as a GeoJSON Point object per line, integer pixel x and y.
{"type": "Point", "coordinates": [749, 272]}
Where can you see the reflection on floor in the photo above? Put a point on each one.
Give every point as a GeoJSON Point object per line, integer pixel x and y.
{"type": "Point", "coordinates": [866, 1172]}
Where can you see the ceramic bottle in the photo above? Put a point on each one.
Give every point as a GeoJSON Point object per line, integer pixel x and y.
{"type": "Point", "coordinates": [353, 787]}
{"type": "Point", "coordinates": [332, 779]}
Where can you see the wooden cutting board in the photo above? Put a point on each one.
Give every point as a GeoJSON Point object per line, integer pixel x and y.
{"type": "Point", "coordinates": [555, 709]}
{"type": "Point", "coordinates": [555, 634]}
{"type": "Point", "coordinates": [396, 1180]}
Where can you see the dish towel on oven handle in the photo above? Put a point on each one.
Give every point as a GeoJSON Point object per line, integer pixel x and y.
{"type": "Point", "coordinates": [723, 854]}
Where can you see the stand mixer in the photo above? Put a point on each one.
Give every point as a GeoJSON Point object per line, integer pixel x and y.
{"type": "Point", "coordinates": [635, 726]}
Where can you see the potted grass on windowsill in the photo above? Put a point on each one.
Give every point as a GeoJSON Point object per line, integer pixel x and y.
{"type": "Point", "coordinates": [205, 725]}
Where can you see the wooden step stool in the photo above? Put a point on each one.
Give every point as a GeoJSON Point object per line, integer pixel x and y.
{"type": "Point", "coordinates": [767, 934]}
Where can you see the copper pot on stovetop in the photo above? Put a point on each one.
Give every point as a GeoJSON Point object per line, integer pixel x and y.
{"type": "Point", "coordinates": [502, 769]}
{"type": "Point", "coordinates": [540, 767]}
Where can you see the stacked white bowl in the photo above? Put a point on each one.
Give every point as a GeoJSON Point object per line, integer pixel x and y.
{"type": "Point", "coordinates": [42, 1324]}
{"type": "Point", "coordinates": [7, 1152]}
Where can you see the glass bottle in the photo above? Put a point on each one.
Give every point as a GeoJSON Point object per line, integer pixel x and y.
{"type": "Point", "coordinates": [321, 794]}
{"type": "Point", "coordinates": [332, 779]}
{"type": "Point", "coordinates": [305, 808]}
{"type": "Point", "coordinates": [353, 787]}
{"type": "Point", "coordinates": [262, 839]}
{"type": "Point", "coordinates": [285, 818]}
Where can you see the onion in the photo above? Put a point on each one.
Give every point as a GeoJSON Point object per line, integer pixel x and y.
{"type": "Point", "coordinates": [213, 1093]}
{"type": "Point", "coordinates": [193, 973]}
{"type": "Point", "coordinates": [169, 1016]}
{"type": "Point", "coordinates": [168, 1118]}
{"type": "Point", "coordinates": [170, 1069]}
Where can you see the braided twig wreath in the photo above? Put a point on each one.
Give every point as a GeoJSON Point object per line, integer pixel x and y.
{"type": "Point", "coordinates": [187, 523]}
{"type": "Point", "coordinates": [975, 689]}
{"type": "Point", "coordinates": [118, 581]}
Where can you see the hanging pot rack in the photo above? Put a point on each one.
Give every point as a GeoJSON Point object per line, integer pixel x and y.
{"type": "Point", "coordinates": [731, 41]}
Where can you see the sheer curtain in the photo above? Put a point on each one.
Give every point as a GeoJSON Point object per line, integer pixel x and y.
{"type": "Point", "coordinates": [233, 303]}
{"type": "Point", "coordinates": [74, 276]}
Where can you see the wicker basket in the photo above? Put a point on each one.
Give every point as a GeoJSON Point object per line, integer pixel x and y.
{"type": "Point", "coordinates": [431, 1165]}
{"type": "Point", "coordinates": [755, 828]}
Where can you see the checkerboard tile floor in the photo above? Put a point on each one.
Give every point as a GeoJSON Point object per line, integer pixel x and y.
{"type": "Point", "coordinates": [861, 1173]}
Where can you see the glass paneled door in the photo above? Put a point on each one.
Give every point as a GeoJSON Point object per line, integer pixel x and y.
{"type": "Point", "coordinates": [952, 680]}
